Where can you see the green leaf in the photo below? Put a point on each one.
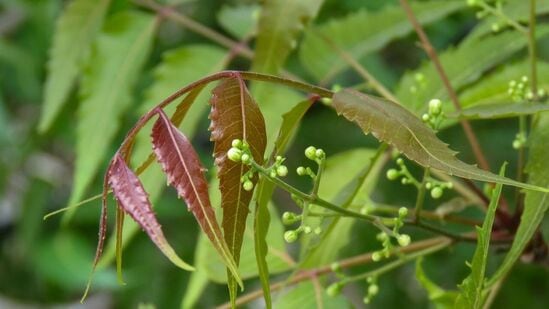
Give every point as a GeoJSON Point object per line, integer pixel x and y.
{"type": "Point", "coordinates": [364, 32]}
{"type": "Point", "coordinates": [395, 125]}
{"type": "Point", "coordinates": [535, 203]}
{"type": "Point", "coordinates": [235, 115]}
{"type": "Point", "coordinates": [179, 67]}
{"type": "Point", "coordinates": [441, 298]}
{"type": "Point", "coordinates": [75, 31]}
{"type": "Point", "coordinates": [459, 68]}
{"type": "Point", "coordinates": [121, 51]}
{"type": "Point", "coordinates": [304, 296]}
{"type": "Point", "coordinates": [265, 189]}
{"type": "Point", "coordinates": [502, 110]}
{"type": "Point", "coordinates": [240, 20]}
{"type": "Point", "coordinates": [471, 295]}
{"type": "Point", "coordinates": [280, 24]}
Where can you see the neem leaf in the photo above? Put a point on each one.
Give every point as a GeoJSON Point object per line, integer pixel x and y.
{"type": "Point", "coordinates": [75, 31]}
{"type": "Point", "coordinates": [501, 110]}
{"type": "Point", "coordinates": [471, 295]}
{"type": "Point", "coordinates": [133, 199]}
{"type": "Point", "coordinates": [535, 203]}
{"type": "Point", "coordinates": [181, 164]}
{"type": "Point", "coordinates": [392, 123]}
{"type": "Point", "coordinates": [235, 115]}
{"type": "Point", "coordinates": [120, 52]}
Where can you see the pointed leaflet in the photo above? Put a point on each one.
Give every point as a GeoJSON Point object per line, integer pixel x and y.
{"type": "Point", "coordinates": [121, 51]}
{"type": "Point", "coordinates": [471, 295]}
{"type": "Point", "coordinates": [395, 125]}
{"type": "Point", "coordinates": [76, 29]}
{"type": "Point", "coordinates": [279, 25]}
{"type": "Point", "coordinates": [181, 164]}
{"type": "Point", "coordinates": [133, 199]}
{"type": "Point", "coordinates": [535, 203]}
{"type": "Point", "coordinates": [235, 115]}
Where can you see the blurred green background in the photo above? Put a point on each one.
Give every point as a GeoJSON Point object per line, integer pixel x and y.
{"type": "Point", "coordinates": [45, 263]}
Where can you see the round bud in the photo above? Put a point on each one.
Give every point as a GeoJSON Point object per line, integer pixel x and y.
{"type": "Point", "coordinates": [310, 152]}
{"type": "Point", "coordinates": [318, 230]}
{"type": "Point", "coordinates": [428, 185]}
{"type": "Point", "coordinates": [373, 289]}
{"type": "Point", "coordinates": [301, 171]}
{"type": "Point", "coordinates": [529, 96]}
{"type": "Point", "coordinates": [246, 159]}
{"type": "Point", "coordinates": [436, 192]}
{"type": "Point", "coordinates": [236, 143]}
{"type": "Point", "coordinates": [234, 154]}
{"type": "Point", "coordinates": [290, 236]}
{"type": "Point", "coordinates": [495, 27]}
{"type": "Point", "coordinates": [404, 181]}
{"type": "Point", "coordinates": [376, 256]}
{"type": "Point", "coordinates": [512, 84]}
{"type": "Point", "coordinates": [425, 117]}
{"type": "Point", "coordinates": [402, 212]}
{"type": "Point", "coordinates": [272, 173]}
{"type": "Point", "coordinates": [404, 240]}
{"type": "Point", "coordinates": [307, 229]}
{"type": "Point", "coordinates": [370, 279]}
{"type": "Point", "coordinates": [334, 289]}
{"type": "Point", "coordinates": [542, 94]}
{"type": "Point", "coordinates": [517, 144]}
{"type": "Point", "coordinates": [279, 159]}
{"type": "Point", "coordinates": [282, 171]}
{"type": "Point", "coordinates": [382, 236]}
{"type": "Point", "coordinates": [435, 107]}
{"type": "Point", "coordinates": [472, 2]}
{"type": "Point", "coordinates": [449, 185]}
{"type": "Point", "coordinates": [319, 154]}
{"type": "Point", "coordinates": [399, 161]}
{"type": "Point", "coordinates": [288, 217]}
{"type": "Point", "coordinates": [335, 266]}
{"type": "Point", "coordinates": [392, 174]}
{"type": "Point", "coordinates": [366, 300]}
{"type": "Point", "coordinates": [248, 185]}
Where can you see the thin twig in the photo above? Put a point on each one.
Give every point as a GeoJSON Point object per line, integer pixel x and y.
{"type": "Point", "coordinates": [429, 49]}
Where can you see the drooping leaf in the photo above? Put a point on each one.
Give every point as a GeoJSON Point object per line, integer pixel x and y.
{"type": "Point", "coordinates": [441, 298]}
{"type": "Point", "coordinates": [178, 68]}
{"type": "Point", "coordinates": [265, 189]}
{"type": "Point", "coordinates": [502, 110]}
{"type": "Point", "coordinates": [459, 68]}
{"type": "Point", "coordinates": [75, 31]}
{"type": "Point", "coordinates": [181, 164]}
{"type": "Point", "coordinates": [471, 295]}
{"type": "Point", "coordinates": [395, 125]}
{"type": "Point", "coordinates": [364, 32]}
{"type": "Point", "coordinates": [121, 51]}
{"type": "Point", "coordinates": [235, 115]}
{"type": "Point", "coordinates": [535, 203]}
{"type": "Point", "coordinates": [240, 20]}
{"type": "Point", "coordinates": [279, 25]}
{"type": "Point", "coordinates": [132, 198]}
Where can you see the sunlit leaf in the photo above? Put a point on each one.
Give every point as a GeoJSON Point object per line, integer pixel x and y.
{"type": "Point", "coordinates": [395, 125]}
{"type": "Point", "coordinates": [240, 20]}
{"type": "Point", "coordinates": [235, 115]}
{"type": "Point", "coordinates": [471, 295]}
{"type": "Point", "coordinates": [120, 53]}
{"type": "Point", "coordinates": [132, 198]}
{"type": "Point", "coordinates": [441, 298]}
{"type": "Point", "coordinates": [535, 203]}
{"type": "Point", "coordinates": [76, 29]}
{"type": "Point", "coordinates": [364, 32]}
{"type": "Point", "coordinates": [280, 23]}
{"type": "Point", "coordinates": [185, 173]}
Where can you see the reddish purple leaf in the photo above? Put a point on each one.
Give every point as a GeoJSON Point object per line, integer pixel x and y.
{"type": "Point", "coordinates": [182, 166]}
{"type": "Point", "coordinates": [132, 198]}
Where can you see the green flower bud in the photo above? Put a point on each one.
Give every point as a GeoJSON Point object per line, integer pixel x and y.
{"type": "Point", "coordinates": [335, 266]}
{"type": "Point", "coordinates": [236, 143]}
{"type": "Point", "coordinates": [376, 256]}
{"type": "Point", "coordinates": [405, 181]}
{"type": "Point", "coordinates": [334, 289]}
{"type": "Point", "coordinates": [282, 171]}
{"type": "Point", "coordinates": [517, 144]}
{"type": "Point", "coordinates": [436, 192]}
{"type": "Point", "coordinates": [310, 153]}
{"type": "Point", "coordinates": [512, 84]}
{"type": "Point", "coordinates": [435, 107]}
{"type": "Point", "coordinates": [472, 2]}
{"type": "Point", "coordinates": [428, 185]}
{"type": "Point", "coordinates": [373, 289]}
{"type": "Point", "coordinates": [399, 161]}
{"type": "Point", "coordinates": [307, 229]}
{"type": "Point", "coordinates": [301, 171]}
{"type": "Point", "coordinates": [320, 154]}
{"type": "Point", "coordinates": [234, 154]}
{"type": "Point", "coordinates": [542, 93]}
{"type": "Point", "coordinates": [382, 236]}
{"type": "Point", "coordinates": [392, 174]}
{"type": "Point", "coordinates": [425, 117]}
{"type": "Point", "coordinates": [403, 240]}
{"type": "Point", "coordinates": [246, 159]}
{"type": "Point", "coordinates": [248, 185]}
{"type": "Point", "coordinates": [290, 236]}
{"type": "Point", "coordinates": [495, 27]}
{"type": "Point", "coordinates": [272, 173]}
{"type": "Point", "coordinates": [289, 218]}
{"type": "Point", "coordinates": [449, 185]}
{"type": "Point", "coordinates": [524, 79]}
{"type": "Point", "coordinates": [279, 159]}
{"type": "Point", "coordinates": [402, 212]}
{"type": "Point", "coordinates": [366, 300]}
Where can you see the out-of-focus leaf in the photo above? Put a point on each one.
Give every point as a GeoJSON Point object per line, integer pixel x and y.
{"type": "Point", "coordinates": [178, 68]}
{"type": "Point", "coordinates": [471, 294]}
{"type": "Point", "coordinates": [441, 298]}
{"type": "Point", "coordinates": [197, 284]}
{"type": "Point", "coordinates": [185, 173]}
{"type": "Point", "coordinates": [121, 51]}
{"type": "Point", "coordinates": [75, 31]}
{"type": "Point", "coordinates": [395, 125]}
{"type": "Point", "coordinates": [460, 68]}
{"type": "Point", "coordinates": [132, 198]}
{"type": "Point", "coordinates": [535, 203]}
{"type": "Point", "coordinates": [235, 115]}
{"type": "Point", "coordinates": [240, 20]}
{"type": "Point", "coordinates": [265, 189]}
{"type": "Point", "coordinates": [505, 110]}
{"type": "Point", "coordinates": [280, 23]}
{"type": "Point", "coordinates": [364, 32]}
{"type": "Point", "coordinates": [304, 296]}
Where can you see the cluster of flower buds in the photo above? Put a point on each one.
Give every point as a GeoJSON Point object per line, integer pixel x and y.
{"type": "Point", "coordinates": [384, 237]}
{"type": "Point", "coordinates": [420, 83]}
{"type": "Point", "coordinates": [402, 173]}
{"type": "Point", "coordinates": [437, 187]}
{"type": "Point", "coordinates": [520, 91]}
{"type": "Point", "coordinates": [435, 115]}
{"type": "Point", "coordinates": [313, 154]}
{"type": "Point", "coordinates": [372, 289]}
{"type": "Point", "coordinates": [291, 236]}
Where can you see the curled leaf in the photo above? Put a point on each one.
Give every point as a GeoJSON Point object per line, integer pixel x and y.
{"type": "Point", "coordinates": [181, 164]}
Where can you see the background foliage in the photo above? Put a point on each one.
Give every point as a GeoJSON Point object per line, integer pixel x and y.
{"type": "Point", "coordinates": [75, 75]}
